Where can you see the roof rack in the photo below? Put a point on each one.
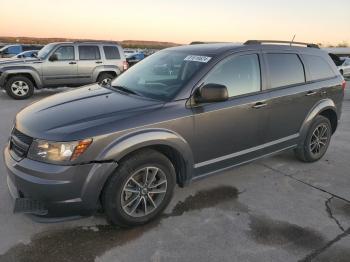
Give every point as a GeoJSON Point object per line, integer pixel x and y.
{"type": "Point", "coordinates": [96, 41]}
{"type": "Point", "coordinates": [259, 42]}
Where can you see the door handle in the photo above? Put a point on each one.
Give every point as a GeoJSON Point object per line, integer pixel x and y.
{"type": "Point", "coordinates": [72, 63]}
{"type": "Point", "coordinates": [259, 105]}
{"type": "Point", "coordinates": [311, 93]}
{"type": "Point", "coordinates": [98, 62]}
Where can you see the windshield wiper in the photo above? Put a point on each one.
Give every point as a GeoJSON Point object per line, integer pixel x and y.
{"type": "Point", "coordinates": [126, 90]}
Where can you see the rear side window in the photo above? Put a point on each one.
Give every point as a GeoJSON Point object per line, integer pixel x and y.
{"type": "Point", "coordinates": [240, 74]}
{"type": "Point", "coordinates": [318, 67]}
{"type": "Point", "coordinates": [88, 52]}
{"type": "Point", "coordinates": [111, 52]}
{"type": "Point", "coordinates": [285, 70]}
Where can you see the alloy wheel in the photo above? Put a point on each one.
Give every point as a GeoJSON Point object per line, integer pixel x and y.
{"type": "Point", "coordinates": [20, 88]}
{"type": "Point", "coordinates": [144, 191]}
{"type": "Point", "coordinates": [106, 82]}
{"type": "Point", "coordinates": [319, 139]}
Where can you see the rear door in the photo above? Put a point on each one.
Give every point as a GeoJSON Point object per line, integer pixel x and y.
{"type": "Point", "coordinates": [291, 97]}
{"type": "Point", "coordinates": [64, 70]}
{"type": "Point", "coordinates": [231, 132]}
{"type": "Point", "coordinates": [89, 59]}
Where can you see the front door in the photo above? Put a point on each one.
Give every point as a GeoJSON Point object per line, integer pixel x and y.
{"type": "Point", "coordinates": [63, 69]}
{"type": "Point", "coordinates": [231, 132]}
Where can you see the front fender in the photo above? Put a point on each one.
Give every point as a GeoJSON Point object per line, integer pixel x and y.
{"type": "Point", "coordinates": [7, 71]}
{"type": "Point", "coordinates": [316, 110]}
{"type": "Point", "coordinates": [150, 137]}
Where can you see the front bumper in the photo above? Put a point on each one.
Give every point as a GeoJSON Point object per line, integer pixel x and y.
{"type": "Point", "coordinates": [64, 191]}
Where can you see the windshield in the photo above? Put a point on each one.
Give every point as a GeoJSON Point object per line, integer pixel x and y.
{"type": "Point", "coordinates": [42, 54]}
{"type": "Point", "coordinates": [162, 75]}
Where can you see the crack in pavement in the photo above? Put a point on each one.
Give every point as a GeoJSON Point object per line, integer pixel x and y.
{"type": "Point", "coordinates": [330, 214]}
{"type": "Point", "coordinates": [317, 252]}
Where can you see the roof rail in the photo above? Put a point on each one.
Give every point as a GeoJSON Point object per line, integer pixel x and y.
{"type": "Point", "coordinates": [259, 42]}
{"type": "Point", "coordinates": [96, 41]}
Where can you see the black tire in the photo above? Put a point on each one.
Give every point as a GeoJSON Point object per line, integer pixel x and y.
{"type": "Point", "coordinates": [308, 152]}
{"type": "Point", "coordinates": [114, 194]}
{"type": "Point", "coordinates": [23, 83]}
{"type": "Point", "coordinates": [105, 79]}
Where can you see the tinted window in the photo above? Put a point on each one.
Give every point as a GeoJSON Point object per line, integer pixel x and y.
{"type": "Point", "coordinates": [111, 52]}
{"type": "Point", "coordinates": [89, 52]}
{"type": "Point", "coordinates": [285, 69]}
{"type": "Point", "coordinates": [65, 53]}
{"type": "Point", "coordinates": [319, 68]}
{"type": "Point", "coordinates": [241, 75]}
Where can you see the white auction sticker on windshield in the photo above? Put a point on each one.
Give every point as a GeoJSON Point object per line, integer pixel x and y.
{"type": "Point", "coordinates": [198, 58]}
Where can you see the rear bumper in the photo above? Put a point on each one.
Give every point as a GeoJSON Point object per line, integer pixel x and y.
{"type": "Point", "coordinates": [64, 191]}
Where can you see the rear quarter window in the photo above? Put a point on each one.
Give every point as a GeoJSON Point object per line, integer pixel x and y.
{"type": "Point", "coordinates": [111, 52]}
{"type": "Point", "coordinates": [318, 67]}
{"type": "Point", "coordinates": [285, 69]}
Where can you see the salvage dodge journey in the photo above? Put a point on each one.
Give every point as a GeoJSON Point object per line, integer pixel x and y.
{"type": "Point", "coordinates": [179, 115]}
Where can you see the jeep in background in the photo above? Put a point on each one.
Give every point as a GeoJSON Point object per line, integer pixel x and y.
{"type": "Point", "coordinates": [63, 64]}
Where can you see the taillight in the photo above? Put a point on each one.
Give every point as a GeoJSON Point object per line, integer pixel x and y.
{"type": "Point", "coordinates": [343, 85]}
{"type": "Point", "coordinates": [125, 65]}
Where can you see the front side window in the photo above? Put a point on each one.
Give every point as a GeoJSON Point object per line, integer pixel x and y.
{"type": "Point", "coordinates": [318, 67]}
{"type": "Point", "coordinates": [240, 74]}
{"type": "Point", "coordinates": [285, 70]}
{"type": "Point", "coordinates": [162, 75]}
{"type": "Point", "coordinates": [65, 53]}
{"type": "Point", "coordinates": [89, 52]}
{"type": "Point", "coordinates": [111, 52]}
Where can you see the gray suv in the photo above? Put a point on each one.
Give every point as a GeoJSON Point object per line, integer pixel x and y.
{"type": "Point", "coordinates": [180, 115]}
{"type": "Point", "coordinates": [63, 64]}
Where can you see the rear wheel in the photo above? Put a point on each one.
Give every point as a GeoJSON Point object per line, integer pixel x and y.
{"type": "Point", "coordinates": [316, 141]}
{"type": "Point", "coordinates": [105, 79]}
{"type": "Point", "coordinates": [19, 87]}
{"type": "Point", "coordinates": [140, 189]}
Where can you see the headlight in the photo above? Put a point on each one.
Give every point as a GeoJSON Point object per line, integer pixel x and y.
{"type": "Point", "coordinates": [57, 152]}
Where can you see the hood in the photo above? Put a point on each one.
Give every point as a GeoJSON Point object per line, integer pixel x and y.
{"type": "Point", "coordinates": [84, 112]}
{"type": "Point", "coordinates": [17, 61]}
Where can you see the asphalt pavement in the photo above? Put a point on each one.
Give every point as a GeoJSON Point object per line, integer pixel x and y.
{"type": "Point", "coordinates": [275, 209]}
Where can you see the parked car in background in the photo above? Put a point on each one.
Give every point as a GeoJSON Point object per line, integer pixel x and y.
{"type": "Point", "coordinates": [344, 67]}
{"type": "Point", "coordinates": [27, 54]}
{"type": "Point", "coordinates": [180, 115]}
{"type": "Point", "coordinates": [133, 56]}
{"type": "Point", "coordinates": [12, 50]}
{"type": "Point", "coordinates": [63, 64]}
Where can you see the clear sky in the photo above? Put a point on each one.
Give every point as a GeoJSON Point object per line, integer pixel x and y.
{"type": "Point", "coordinates": [181, 21]}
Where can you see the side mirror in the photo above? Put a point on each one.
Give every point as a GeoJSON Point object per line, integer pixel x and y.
{"type": "Point", "coordinates": [211, 93]}
{"type": "Point", "coordinates": [53, 58]}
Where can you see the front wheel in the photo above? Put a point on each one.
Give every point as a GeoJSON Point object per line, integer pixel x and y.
{"type": "Point", "coordinates": [140, 189]}
{"type": "Point", "coordinates": [316, 141]}
{"type": "Point", "coordinates": [19, 87]}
